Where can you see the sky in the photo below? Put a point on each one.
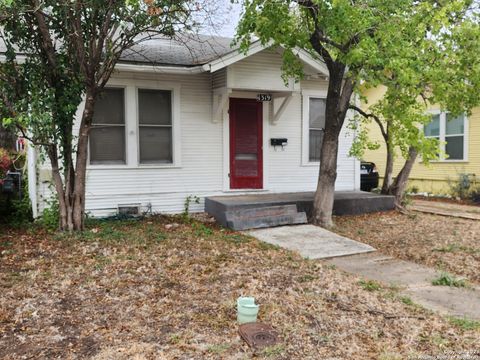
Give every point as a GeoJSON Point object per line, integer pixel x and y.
{"type": "Point", "coordinates": [230, 15]}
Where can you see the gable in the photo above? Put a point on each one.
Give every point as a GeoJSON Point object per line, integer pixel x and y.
{"type": "Point", "coordinates": [312, 65]}
{"type": "Point", "coordinates": [262, 70]}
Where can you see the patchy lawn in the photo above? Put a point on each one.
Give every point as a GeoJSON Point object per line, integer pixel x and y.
{"type": "Point", "coordinates": [144, 290]}
{"type": "Point", "coordinates": [446, 243]}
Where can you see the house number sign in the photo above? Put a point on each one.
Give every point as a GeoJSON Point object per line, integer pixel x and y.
{"type": "Point", "coordinates": [264, 97]}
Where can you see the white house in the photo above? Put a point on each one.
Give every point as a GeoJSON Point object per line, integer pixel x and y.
{"type": "Point", "coordinates": [196, 118]}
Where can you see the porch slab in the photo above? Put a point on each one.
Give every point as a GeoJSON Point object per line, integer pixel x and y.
{"type": "Point", "coordinates": [345, 203]}
{"type": "Point", "coordinates": [311, 241]}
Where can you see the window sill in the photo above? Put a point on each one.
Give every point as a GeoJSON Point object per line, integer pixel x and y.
{"type": "Point", "coordinates": [158, 165]}
{"type": "Point", "coordinates": [137, 167]}
{"type": "Point", "coordinates": [449, 161]}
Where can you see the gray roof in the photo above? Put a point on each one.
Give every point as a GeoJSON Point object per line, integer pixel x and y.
{"type": "Point", "coordinates": [185, 50]}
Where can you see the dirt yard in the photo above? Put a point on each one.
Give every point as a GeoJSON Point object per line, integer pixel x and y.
{"type": "Point", "coordinates": [153, 289]}
{"type": "Point", "coordinates": [446, 243]}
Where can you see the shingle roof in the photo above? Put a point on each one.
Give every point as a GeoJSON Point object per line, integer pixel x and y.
{"type": "Point", "coordinates": [184, 50]}
{"type": "Point", "coordinates": [181, 51]}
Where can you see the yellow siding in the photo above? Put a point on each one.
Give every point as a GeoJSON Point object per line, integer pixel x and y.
{"type": "Point", "coordinates": [436, 176]}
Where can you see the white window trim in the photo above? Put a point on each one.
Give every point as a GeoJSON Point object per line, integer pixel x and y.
{"type": "Point", "coordinates": [176, 140]}
{"type": "Point", "coordinates": [306, 96]}
{"type": "Point", "coordinates": [442, 137]}
{"type": "Point", "coordinates": [132, 146]}
{"type": "Point", "coordinates": [125, 126]}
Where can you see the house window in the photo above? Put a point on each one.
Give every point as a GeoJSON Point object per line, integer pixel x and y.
{"type": "Point", "coordinates": [155, 126]}
{"type": "Point", "coordinates": [450, 131]}
{"type": "Point", "coordinates": [316, 120]}
{"type": "Point", "coordinates": [107, 135]}
{"type": "Point", "coordinates": [454, 137]}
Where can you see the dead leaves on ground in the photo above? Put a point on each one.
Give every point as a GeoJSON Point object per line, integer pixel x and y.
{"type": "Point", "coordinates": [141, 289]}
{"type": "Point", "coordinates": [446, 243]}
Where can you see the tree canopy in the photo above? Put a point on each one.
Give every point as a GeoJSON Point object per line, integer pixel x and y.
{"type": "Point", "coordinates": [440, 70]}
{"type": "Point", "coordinates": [61, 53]}
{"type": "Point", "coordinates": [365, 41]}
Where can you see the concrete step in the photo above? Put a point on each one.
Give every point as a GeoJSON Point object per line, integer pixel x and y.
{"type": "Point", "coordinates": [260, 211]}
{"type": "Point", "coordinates": [261, 217]}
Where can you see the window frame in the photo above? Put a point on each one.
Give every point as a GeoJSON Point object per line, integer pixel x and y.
{"type": "Point", "coordinates": [171, 126]}
{"type": "Point", "coordinates": [176, 138]}
{"type": "Point", "coordinates": [306, 96]}
{"type": "Point", "coordinates": [132, 141]}
{"type": "Point", "coordinates": [113, 164]}
{"type": "Point", "coordinates": [442, 137]}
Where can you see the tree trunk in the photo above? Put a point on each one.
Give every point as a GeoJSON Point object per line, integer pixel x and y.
{"type": "Point", "coordinates": [337, 104]}
{"type": "Point", "coordinates": [388, 177]}
{"type": "Point", "coordinates": [398, 187]}
{"type": "Point", "coordinates": [78, 202]}
{"type": "Point", "coordinates": [58, 182]}
{"type": "Point", "coordinates": [324, 196]}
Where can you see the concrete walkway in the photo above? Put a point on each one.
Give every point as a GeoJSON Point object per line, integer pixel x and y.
{"type": "Point", "coordinates": [360, 259]}
{"type": "Point", "coordinates": [312, 242]}
{"type": "Point", "coordinates": [446, 209]}
{"type": "Point", "coordinates": [416, 282]}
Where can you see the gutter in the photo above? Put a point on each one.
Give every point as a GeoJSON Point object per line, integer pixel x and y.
{"type": "Point", "coordinates": [160, 69]}
{"type": "Point", "coordinates": [148, 68]}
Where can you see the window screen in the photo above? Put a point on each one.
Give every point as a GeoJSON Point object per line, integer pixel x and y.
{"type": "Point", "coordinates": [155, 126]}
{"type": "Point", "coordinates": [454, 132]}
{"type": "Point", "coordinates": [107, 135]}
{"type": "Point", "coordinates": [316, 127]}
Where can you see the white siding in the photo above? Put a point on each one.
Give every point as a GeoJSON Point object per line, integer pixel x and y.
{"type": "Point", "coordinates": [203, 169]}
{"type": "Point", "coordinates": [286, 171]}
{"type": "Point", "coordinates": [165, 189]}
{"type": "Point", "coordinates": [219, 79]}
{"type": "Point", "coordinates": [261, 71]}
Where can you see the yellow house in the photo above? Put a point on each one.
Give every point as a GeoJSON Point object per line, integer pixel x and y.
{"type": "Point", "coordinates": [459, 137]}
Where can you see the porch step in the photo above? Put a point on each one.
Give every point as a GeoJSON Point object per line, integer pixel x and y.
{"type": "Point", "coordinates": [261, 217]}
{"type": "Point", "coordinates": [346, 203]}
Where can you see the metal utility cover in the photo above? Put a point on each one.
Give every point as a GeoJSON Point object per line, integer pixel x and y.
{"type": "Point", "coordinates": [258, 335]}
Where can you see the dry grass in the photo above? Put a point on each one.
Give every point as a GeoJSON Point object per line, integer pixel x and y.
{"type": "Point", "coordinates": [446, 243]}
{"type": "Point", "coordinates": [135, 290]}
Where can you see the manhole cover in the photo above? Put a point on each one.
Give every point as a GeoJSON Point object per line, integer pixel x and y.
{"type": "Point", "coordinates": [258, 335]}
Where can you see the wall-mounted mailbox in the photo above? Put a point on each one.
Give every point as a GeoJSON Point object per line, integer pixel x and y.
{"type": "Point", "coordinates": [279, 142]}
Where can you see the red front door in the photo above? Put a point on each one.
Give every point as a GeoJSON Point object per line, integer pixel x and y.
{"type": "Point", "coordinates": [246, 160]}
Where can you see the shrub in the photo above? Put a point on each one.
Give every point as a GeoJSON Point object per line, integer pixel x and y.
{"type": "Point", "coordinates": [21, 213]}
{"type": "Point", "coordinates": [474, 194]}
{"type": "Point", "coordinates": [51, 215]}
{"type": "Point", "coordinates": [465, 188]}
{"type": "Point", "coordinates": [462, 187]}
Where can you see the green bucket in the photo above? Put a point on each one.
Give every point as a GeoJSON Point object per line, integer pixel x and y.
{"type": "Point", "coordinates": [247, 310]}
